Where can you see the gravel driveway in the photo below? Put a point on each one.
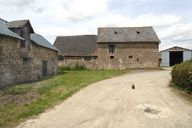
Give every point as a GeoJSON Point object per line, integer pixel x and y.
{"type": "Point", "coordinates": [113, 104]}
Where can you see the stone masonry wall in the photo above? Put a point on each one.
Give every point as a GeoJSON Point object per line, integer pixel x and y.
{"type": "Point", "coordinates": [14, 68]}
{"type": "Point", "coordinates": [128, 55]}
{"type": "Point", "coordinates": [44, 54]}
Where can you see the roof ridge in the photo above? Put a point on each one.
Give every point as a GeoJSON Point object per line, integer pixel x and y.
{"type": "Point", "coordinates": [78, 35]}
{"type": "Point", "coordinates": [128, 27]}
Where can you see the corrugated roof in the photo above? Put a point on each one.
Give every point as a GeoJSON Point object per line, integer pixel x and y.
{"type": "Point", "coordinates": [39, 40]}
{"type": "Point", "coordinates": [81, 45]}
{"type": "Point", "coordinates": [19, 23]}
{"type": "Point", "coordinates": [176, 48]}
{"type": "Point", "coordinates": [127, 34]}
{"type": "Point", "coordinates": [5, 31]}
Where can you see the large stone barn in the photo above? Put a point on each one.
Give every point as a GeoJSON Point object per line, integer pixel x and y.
{"type": "Point", "coordinates": [127, 47]}
{"type": "Point", "coordinates": [24, 55]}
{"type": "Point", "coordinates": [77, 50]}
{"type": "Point", "coordinates": [112, 48]}
{"type": "Point", "coordinates": [175, 55]}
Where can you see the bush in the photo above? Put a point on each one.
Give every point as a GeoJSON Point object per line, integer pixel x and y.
{"type": "Point", "coordinates": [61, 70]}
{"type": "Point", "coordinates": [182, 75]}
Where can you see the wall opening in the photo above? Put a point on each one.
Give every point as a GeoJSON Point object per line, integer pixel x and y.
{"type": "Point", "coordinates": [130, 57]}
{"type": "Point", "coordinates": [87, 58]}
{"type": "Point", "coordinates": [111, 48]}
{"type": "Point", "coordinates": [176, 57]}
{"type": "Point", "coordinates": [44, 68]}
{"type": "Point", "coordinates": [112, 57]}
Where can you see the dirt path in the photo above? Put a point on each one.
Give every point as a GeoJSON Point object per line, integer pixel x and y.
{"type": "Point", "coordinates": [113, 104]}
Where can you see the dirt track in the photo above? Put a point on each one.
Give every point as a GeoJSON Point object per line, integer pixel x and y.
{"type": "Point", "coordinates": [113, 104]}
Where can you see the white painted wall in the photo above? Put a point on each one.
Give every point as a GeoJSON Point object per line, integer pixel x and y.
{"type": "Point", "coordinates": [187, 55]}
{"type": "Point", "coordinates": [165, 58]}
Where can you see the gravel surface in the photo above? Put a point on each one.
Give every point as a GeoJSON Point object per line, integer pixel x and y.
{"type": "Point", "coordinates": [113, 103]}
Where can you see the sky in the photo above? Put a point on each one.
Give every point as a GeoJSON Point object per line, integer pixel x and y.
{"type": "Point", "coordinates": [171, 19]}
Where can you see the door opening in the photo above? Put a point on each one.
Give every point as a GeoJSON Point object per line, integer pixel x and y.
{"type": "Point", "coordinates": [176, 57]}
{"type": "Point", "coordinates": [44, 68]}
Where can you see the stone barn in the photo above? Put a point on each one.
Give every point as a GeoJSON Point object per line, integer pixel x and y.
{"type": "Point", "coordinates": [24, 55]}
{"type": "Point", "coordinates": [77, 50]}
{"type": "Point", "coordinates": [175, 55]}
{"type": "Point", "coordinates": [127, 47]}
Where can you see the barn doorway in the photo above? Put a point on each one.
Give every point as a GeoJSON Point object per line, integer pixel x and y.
{"type": "Point", "coordinates": [44, 68]}
{"type": "Point", "coordinates": [176, 57]}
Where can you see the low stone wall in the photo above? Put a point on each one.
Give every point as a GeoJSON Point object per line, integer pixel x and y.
{"type": "Point", "coordinates": [73, 61]}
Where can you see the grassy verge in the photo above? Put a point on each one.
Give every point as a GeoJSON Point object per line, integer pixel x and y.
{"type": "Point", "coordinates": [20, 102]}
{"type": "Point", "coordinates": [181, 89]}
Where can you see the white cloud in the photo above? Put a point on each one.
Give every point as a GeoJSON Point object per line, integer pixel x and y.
{"type": "Point", "coordinates": [72, 17]}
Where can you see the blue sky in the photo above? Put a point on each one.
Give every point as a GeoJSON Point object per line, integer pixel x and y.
{"type": "Point", "coordinates": [172, 19]}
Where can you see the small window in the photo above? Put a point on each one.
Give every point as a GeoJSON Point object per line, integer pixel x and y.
{"type": "Point", "coordinates": [112, 57]}
{"type": "Point", "coordinates": [111, 48]}
{"type": "Point", "coordinates": [26, 60]}
{"type": "Point", "coordinates": [115, 32]}
{"type": "Point", "coordinates": [87, 58]}
{"type": "Point", "coordinates": [1, 53]}
{"type": "Point", "coordinates": [22, 45]}
{"type": "Point", "coordinates": [130, 57]}
{"type": "Point", "coordinates": [60, 58]}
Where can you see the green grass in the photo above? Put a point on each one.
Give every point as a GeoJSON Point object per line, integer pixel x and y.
{"type": "Point", "coordinates": [20, 102]}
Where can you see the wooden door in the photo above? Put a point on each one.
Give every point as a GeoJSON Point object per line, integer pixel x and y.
{"type": "Point", "coordinates": [44, 68]}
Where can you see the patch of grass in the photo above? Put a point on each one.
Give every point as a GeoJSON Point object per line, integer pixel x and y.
{"type": "Point", "coordinates": [19, 89]}
{"type": "Point", "coordinates": [42, 95]}
{"type": "Point", "coordinates": [77, 67]}
{"type": "Point", "coordinates": [177, 86]}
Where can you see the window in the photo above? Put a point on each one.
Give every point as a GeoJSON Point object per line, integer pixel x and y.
{"type": "Point", "coordinates": [115, 32]}
{"type": "Point", "coordinates": [87, 58]}
{"type": "Point", "coordinates": [111, 48]}
{"type": "Point", "coordinates": [130, 57]}
{"type": "Point", "coordinates": [1, 53]}
{"type": "Point", "coordinates": [138, 32]}
{"type": "Point", "coordinates": [26, 60]}
{"type": "Point", "coordinates": [22, 43]}
{"type": "Point", "coordinates": [60, 58]}
{"type": "Point", "coordinates": [112, 57]}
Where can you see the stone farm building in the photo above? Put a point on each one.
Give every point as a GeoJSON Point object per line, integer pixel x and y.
{"type": "Point", "coordinates": [79, 50]}
{"type": "Point", "coordinates": [112, 48]}
{"type": "Point", "coordinates": [24, 55]}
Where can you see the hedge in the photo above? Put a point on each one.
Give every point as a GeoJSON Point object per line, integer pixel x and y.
{"type": "Point", "coordinates": [182, 75]}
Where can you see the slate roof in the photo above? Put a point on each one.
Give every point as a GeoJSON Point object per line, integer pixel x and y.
{"type": "Point", "coordinates": [19, 23]}
{"type": "Point", "coordinates": [41, 41]}
{"type": "Point", "coordinates": [127, 34]}
{"type": "Point", "coordinates": [81, 45]}
{"type": "Point", "coordinates": [5, 31]}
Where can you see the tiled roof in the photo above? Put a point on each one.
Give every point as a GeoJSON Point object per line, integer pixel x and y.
{"type": "Point", "coordinates": [81, 45]}
{"type": "Point", "coordinates": [127, 34]}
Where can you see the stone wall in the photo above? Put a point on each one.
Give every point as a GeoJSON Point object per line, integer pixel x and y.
{"type": "Point", "coordinates": [44, 54]}
{"type": "Point", "coordinates": [73, 61]}
{"type": "Point", "coordinates": [18, 65]}
{"type": "Point", "coordinates": [128, 55]}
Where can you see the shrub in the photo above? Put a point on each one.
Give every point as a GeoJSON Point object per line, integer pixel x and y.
{"type": "Point", "coordinates": [61, 70]}
{"type": "Point", "coordinates": [182, 75]}
{"type": "Point", "coordinates": [80, 67]}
